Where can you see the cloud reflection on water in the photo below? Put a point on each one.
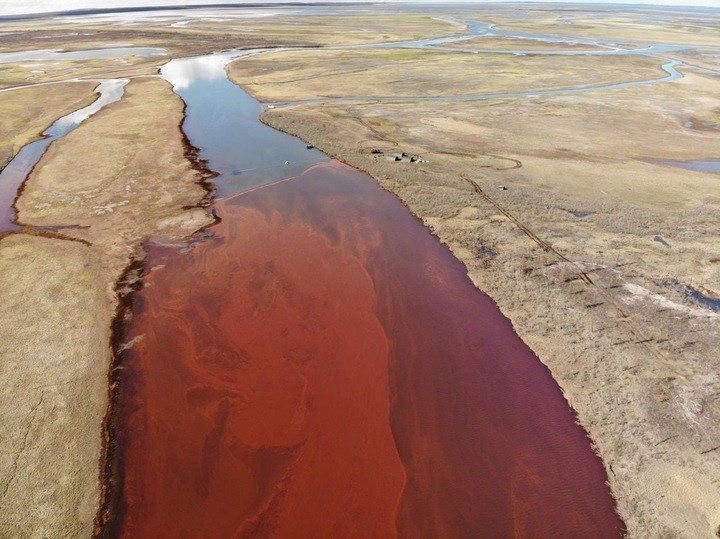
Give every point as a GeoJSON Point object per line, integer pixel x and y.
{"type": "Point", "coordinates": [181, 73]}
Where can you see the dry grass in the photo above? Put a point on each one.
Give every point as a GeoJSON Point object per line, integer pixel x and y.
{"type": "Point", "coordinates": [668, 27]}
{"type": "Point", "coordinates": [205, 36]}
{"type": "Point", "coordinates": [55, 326]}
{"type": "Point", "coordinates": [24, 73]}
{"type": "Point", "coordinates": [26, 113]}
{"type": "Point", "coordinates": [634, 357]}
{"type": "Point", "coordinates": [348, 30]}
{"type": "Point", "coordinates": [502, 44]}
{"type": "Point", "coordinates": [122, 176]}
{"type": "Point", "coordinates": [198, 38]}
{"type": "Point", "coordinates": [311, 74]}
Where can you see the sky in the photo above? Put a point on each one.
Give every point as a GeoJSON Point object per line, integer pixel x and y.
{"type": "Point", "coordinates": [16, 7]}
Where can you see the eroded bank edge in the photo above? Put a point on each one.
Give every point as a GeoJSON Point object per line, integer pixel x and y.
{"type": "Point", "coordinates": [109, 513]}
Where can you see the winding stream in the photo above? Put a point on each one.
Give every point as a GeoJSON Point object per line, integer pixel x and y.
{"type": "Point", "coordinates": [87, 54]}
{"type": "Point", "coordinates": [318, 364]}
{"type": "Point", "coordinates": [245, 152]}
{"type": "Point", "coordinates": [479, 29]}
{"type": "Point", "coordinates": [17, 170]}
{"type": "Point", "coordinates": [669, 68]}
{"type": "Point", "coordinates": [258, 156]}
{"type": "Point", "coordinates": [476, 29]}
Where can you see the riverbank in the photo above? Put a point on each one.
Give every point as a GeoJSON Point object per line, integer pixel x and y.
{"type": "Point", "coordinates": [25, 115]}
{"type": "Point", "coordinates": [119, 178]}
{"type": "Point", "coordinates": [298, 355]}
{"type": "Point", "coordinates": [574, 264]}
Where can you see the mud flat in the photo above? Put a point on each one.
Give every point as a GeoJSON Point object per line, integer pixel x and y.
{"type": "Point", "coordinates": [118, 178]}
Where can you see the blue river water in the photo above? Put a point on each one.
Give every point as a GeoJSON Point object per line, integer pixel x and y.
{"type": "Point", "coordinates": [229, 120]}
{"type": "Point", "coordinates": [266, 154]}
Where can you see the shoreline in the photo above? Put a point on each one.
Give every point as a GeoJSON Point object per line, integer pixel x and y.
{"type": "Point", "coordinates": [109, 476]}
{"type": "Point", "coordinates": [457, 273]}
{"type": "Point", "coordinates": [112, 507]}
{"type": "Point", "coordinates": [110, 461]}
{"type": "Point", "coordinates": [173, 205]}
{"type": "Point", "coordinates": [627, 489]}
{"type": "Point", "coordinates": [610, 474]}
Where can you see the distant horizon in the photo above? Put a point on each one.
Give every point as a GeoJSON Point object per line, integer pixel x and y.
{"type": "Point", "coordinates": [12, 8]}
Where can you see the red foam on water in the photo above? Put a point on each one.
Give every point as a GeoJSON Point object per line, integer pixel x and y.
{"type": "Point", "coordinates": [323, 367]}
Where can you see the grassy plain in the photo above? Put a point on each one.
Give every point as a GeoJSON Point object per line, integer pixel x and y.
{"type": "Point", "coordinates": [26, 113]}
{"type": "Point", "coordinates": [24, 73]}
{"type": "Point", "coordinates": [201, 36]}
{"type": "Point", "coordinates": [55, 333]}
{"type": "Point", "coordinates": [670, 26]}
{"type": "Point", "coordinates": [572, 249]}
{"type": "Point", "coordinates": [311, 74]}
{"type": "Point", "coordinates": [510, 44]}
{"type": "Point", "coordinates": [194, 39]}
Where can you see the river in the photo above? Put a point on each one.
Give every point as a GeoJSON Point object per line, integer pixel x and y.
{"type": "Point", "coordinates": [13, 176]}
{"type": "Point", "coordinates": [257, 155]}
{"type": "Point", "coordinates": [317, 363]}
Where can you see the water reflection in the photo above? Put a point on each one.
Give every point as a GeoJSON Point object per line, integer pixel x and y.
{"type": "Point", "coordinates": [183, 72]}
{"type": "Point", "coordinates": [222, 122]}
{"type": "Point", "coordinates": [700, 165]}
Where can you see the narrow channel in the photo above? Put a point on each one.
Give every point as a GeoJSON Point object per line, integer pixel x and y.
{"type": "Point", "coordinates": [317, 363]}
{"type": "Point", "coordinates": [668, 67]}
{"type": "Point", "coordinates": [19, 168]}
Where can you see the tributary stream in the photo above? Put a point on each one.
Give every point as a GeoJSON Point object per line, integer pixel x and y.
{"type": "Point", "coordinates": [13, 176]}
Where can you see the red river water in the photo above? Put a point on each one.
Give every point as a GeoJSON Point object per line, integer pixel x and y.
{"type": "Point", "coordinates": [322, 366]}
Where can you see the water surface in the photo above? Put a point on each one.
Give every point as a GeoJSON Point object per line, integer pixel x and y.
{"type": "Point", "coordinates": [709, 165]}
{"type": "Point", "coordinates": [242, 150]}
{"type": "Point", "coordinates": [319, 364]}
